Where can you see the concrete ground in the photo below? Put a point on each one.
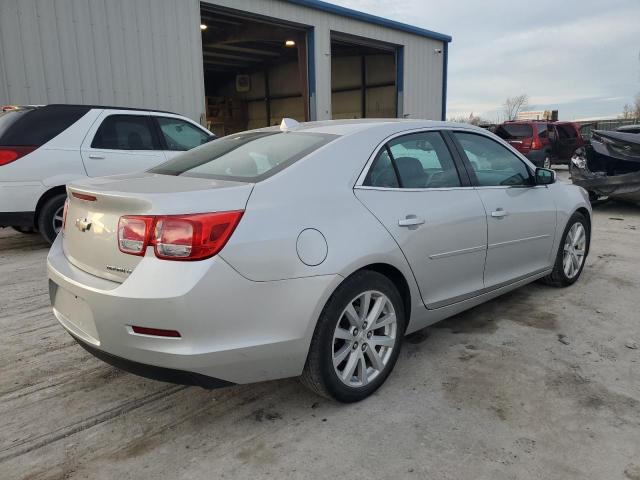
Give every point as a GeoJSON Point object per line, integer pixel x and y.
{"type": "Point", "coordinates": [541, 383]}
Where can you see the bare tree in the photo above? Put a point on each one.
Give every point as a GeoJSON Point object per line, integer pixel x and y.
{"type": "Point", "coordinates": [631, 110]}
{"type": "Point", "coordinates": [472, 119]}
{"type": "Point", "coordinates": [513, 105]}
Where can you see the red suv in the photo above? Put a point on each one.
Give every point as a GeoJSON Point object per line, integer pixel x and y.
{"type": "Point", "coordinates": [542, 142]}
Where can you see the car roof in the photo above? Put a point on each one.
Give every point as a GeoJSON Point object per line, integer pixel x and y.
{"type": "Point", "coordinates": [624, 128]}
{"type": "Point", "coordinates": [352, 126]}
{"type": "Point", "coordinates": [107, 107]}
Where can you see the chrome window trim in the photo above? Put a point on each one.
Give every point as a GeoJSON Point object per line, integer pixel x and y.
{"type": "Point", "coordinates": [440, 189]}
{"type": "Point", "coordinates": [368, 187]}
{"type": "Point", "coordinates": [452, 129]}
{"type": "Point", "coordinates": [505, 187]}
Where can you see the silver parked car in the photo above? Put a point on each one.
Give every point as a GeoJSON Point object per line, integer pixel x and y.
{"type": "Point", "coordinates": [309, 249]}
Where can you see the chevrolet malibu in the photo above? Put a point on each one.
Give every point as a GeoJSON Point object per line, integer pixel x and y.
{"type": "Point", "coordinates": [307, 250]}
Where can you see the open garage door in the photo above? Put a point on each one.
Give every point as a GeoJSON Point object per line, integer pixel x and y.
{"type": "Point", "coordinates": [255, 71]}
{"type": "Point", "coordinates": [363, 79]}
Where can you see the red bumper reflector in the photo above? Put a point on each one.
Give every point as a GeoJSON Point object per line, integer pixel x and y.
{"type": "Point", "coordinates": [84, 196]}
{"type": "Point", "coordinates": [156, 332]}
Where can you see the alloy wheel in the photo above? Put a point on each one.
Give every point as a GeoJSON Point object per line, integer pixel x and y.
{"type": "Point", "coordinates": [364, 338]}
{"type": "Point", "coordinates": [574, 250]}
{"type": "Point", "coordinates": [547, 162]}
{"type": "Point", "coordinates": [58, 219]}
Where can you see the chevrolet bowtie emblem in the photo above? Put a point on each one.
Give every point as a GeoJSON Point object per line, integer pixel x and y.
{"type": "Point", "coordinates": [83, 224]}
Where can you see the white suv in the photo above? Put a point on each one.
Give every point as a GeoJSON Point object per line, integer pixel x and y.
{"type": "Point", "coordinates": [44, 148]}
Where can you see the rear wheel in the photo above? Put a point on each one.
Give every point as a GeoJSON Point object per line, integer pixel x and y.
{"type": "Point", "coordinates": [546, 162]}
{"type": "Point", "coordinates": [357, 339]}
{"type": "Point", "coordinates": [50, 217]}
{"type": "Point", "coordinates": [571, 253]}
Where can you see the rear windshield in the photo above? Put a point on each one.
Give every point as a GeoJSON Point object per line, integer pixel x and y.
{"type": "Point", "coordinates": [35, 127]}
{"type": "Point", "coordinates": [245, 157]}
{"type": "Point", "coordinates": [9, 118]}
{"type": "Point", "coordinates": [514, 131]}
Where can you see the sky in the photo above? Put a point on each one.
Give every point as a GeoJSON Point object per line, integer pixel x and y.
{"type": "Point", "coordinates": [579, 57]}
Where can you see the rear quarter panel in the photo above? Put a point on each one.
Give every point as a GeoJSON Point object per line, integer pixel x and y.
{"type": "Point", "coordinates": [54, 164]}
{"type": "Point", "coordinates": [314, 193]}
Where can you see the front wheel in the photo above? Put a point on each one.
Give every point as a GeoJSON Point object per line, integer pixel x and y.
{"type": "Point", "coordinates": [357, 339]}
{"type": "Point", "coordinates": [572, 252]}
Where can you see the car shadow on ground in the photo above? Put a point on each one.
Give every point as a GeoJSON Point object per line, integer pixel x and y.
{"type": "Point", "coordinates": [11, 239]}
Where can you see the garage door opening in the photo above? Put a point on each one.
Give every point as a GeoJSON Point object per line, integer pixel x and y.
{"type": "Point", "coordinates": [255, 71]}
{"type": "Point", "coordinates": [363, 79]}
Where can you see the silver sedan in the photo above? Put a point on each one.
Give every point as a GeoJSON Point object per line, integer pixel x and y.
{"type": "Point", "coordinates": [307, 250]}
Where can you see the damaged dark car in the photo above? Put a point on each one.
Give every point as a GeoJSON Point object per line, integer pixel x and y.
{"type": "Point", "coordinates": [609, 166]}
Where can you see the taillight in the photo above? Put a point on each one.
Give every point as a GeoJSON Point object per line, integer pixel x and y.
{"type": "Point", "coordinates": [134, 233]}
{"type": "Point", "coordinates": [177, 237]}
{"type": "Point", "coordinates": [11, 154]}
{"type": "Point", "coordinates": [536, 144]}
{"type": "Point", "coordinates": [64, 213]}
{"type": "Point", "coordinates": [193, 237]}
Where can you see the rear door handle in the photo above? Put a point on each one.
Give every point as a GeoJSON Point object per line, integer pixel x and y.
{"type": "Point", "coordinates": [499, 213]}
{"type": "Point", "coordinates": [410, 221]}
{"type": "Point", "coordinates": [96, 157]}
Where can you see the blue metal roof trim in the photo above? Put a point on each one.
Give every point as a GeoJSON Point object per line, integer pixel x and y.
{"type": "Point", "coordinates": [366, 17]}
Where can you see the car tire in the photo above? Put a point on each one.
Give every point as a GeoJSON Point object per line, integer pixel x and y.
{"type": "Point", "coordinates": [337, 340]}
{"type": "Point", "coordinates": [568, 251]}
{"type": "Point", "coordinates": [546, 163]}
{"type": "Point", "coordinates": [25, 230]}
{"type": "Point", "coordinates": [50, 217]}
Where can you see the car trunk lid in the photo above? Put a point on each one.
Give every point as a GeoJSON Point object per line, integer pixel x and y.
{"type": "Point", "coordinates": [90, 237]}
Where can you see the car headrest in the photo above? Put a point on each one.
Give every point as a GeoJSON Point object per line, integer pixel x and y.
{"type": "Point", "coordinates": [411, 172]}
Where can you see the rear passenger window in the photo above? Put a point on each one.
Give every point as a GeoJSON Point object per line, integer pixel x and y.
{"type": "Point", "coordinates": [543, 131]}
{"type": "Point", "coordinates": [125, 132]}
{"type": "Point", "coordinates": [36, 126]}
{"type": "Point", "coordinates": [565, 131]}
{"type": "Point", "coordinates": [382, 173]}
{"type": "Point", "coordinates": [422, 160]}
{"type": "Point", "coordinates": [492, 163]}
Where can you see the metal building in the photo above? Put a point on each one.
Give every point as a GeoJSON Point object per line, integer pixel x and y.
{"type": "Point", "coordinates": [232, 64]}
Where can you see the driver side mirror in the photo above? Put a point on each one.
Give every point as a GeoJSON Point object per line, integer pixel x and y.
{"type": "Point", "coordinates": [545, 176]}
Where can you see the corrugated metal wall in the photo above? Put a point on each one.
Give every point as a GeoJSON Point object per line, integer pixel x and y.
{"type": "Point", "coordinates": [422, 67]}
{"type": "Point", "coordinates": [148, 53]}
{"type": "Point", "coordinates": [136, 53]}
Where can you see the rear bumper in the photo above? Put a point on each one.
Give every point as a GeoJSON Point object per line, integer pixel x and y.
{"type": "Point", "coordinates": [155, 373]}
{"type": "Point", "coordinates": [232, 328]}
{"type": "Point", "coordinates": [17, 219]}
{"type": "Point", "coordinates": [20, 198]}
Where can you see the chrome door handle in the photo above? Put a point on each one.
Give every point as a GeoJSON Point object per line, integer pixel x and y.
{"type": "Point", "coordinates": [97, 157]}
{"type": "Point", "coordinates": [499, 213]}
{"type": "Point", "coordinates": [410, 221]}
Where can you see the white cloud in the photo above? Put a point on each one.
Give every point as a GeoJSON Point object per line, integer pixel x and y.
{"type": "Point", "coordinates": [581, 57]}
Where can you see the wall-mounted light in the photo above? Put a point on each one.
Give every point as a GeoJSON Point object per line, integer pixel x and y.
{"type": "Point", "coordinates": [437, 51]}
{"type": "Point", "coordinates": [203, 26]}
{"type": "Point", "coordinates": [290, 43]}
